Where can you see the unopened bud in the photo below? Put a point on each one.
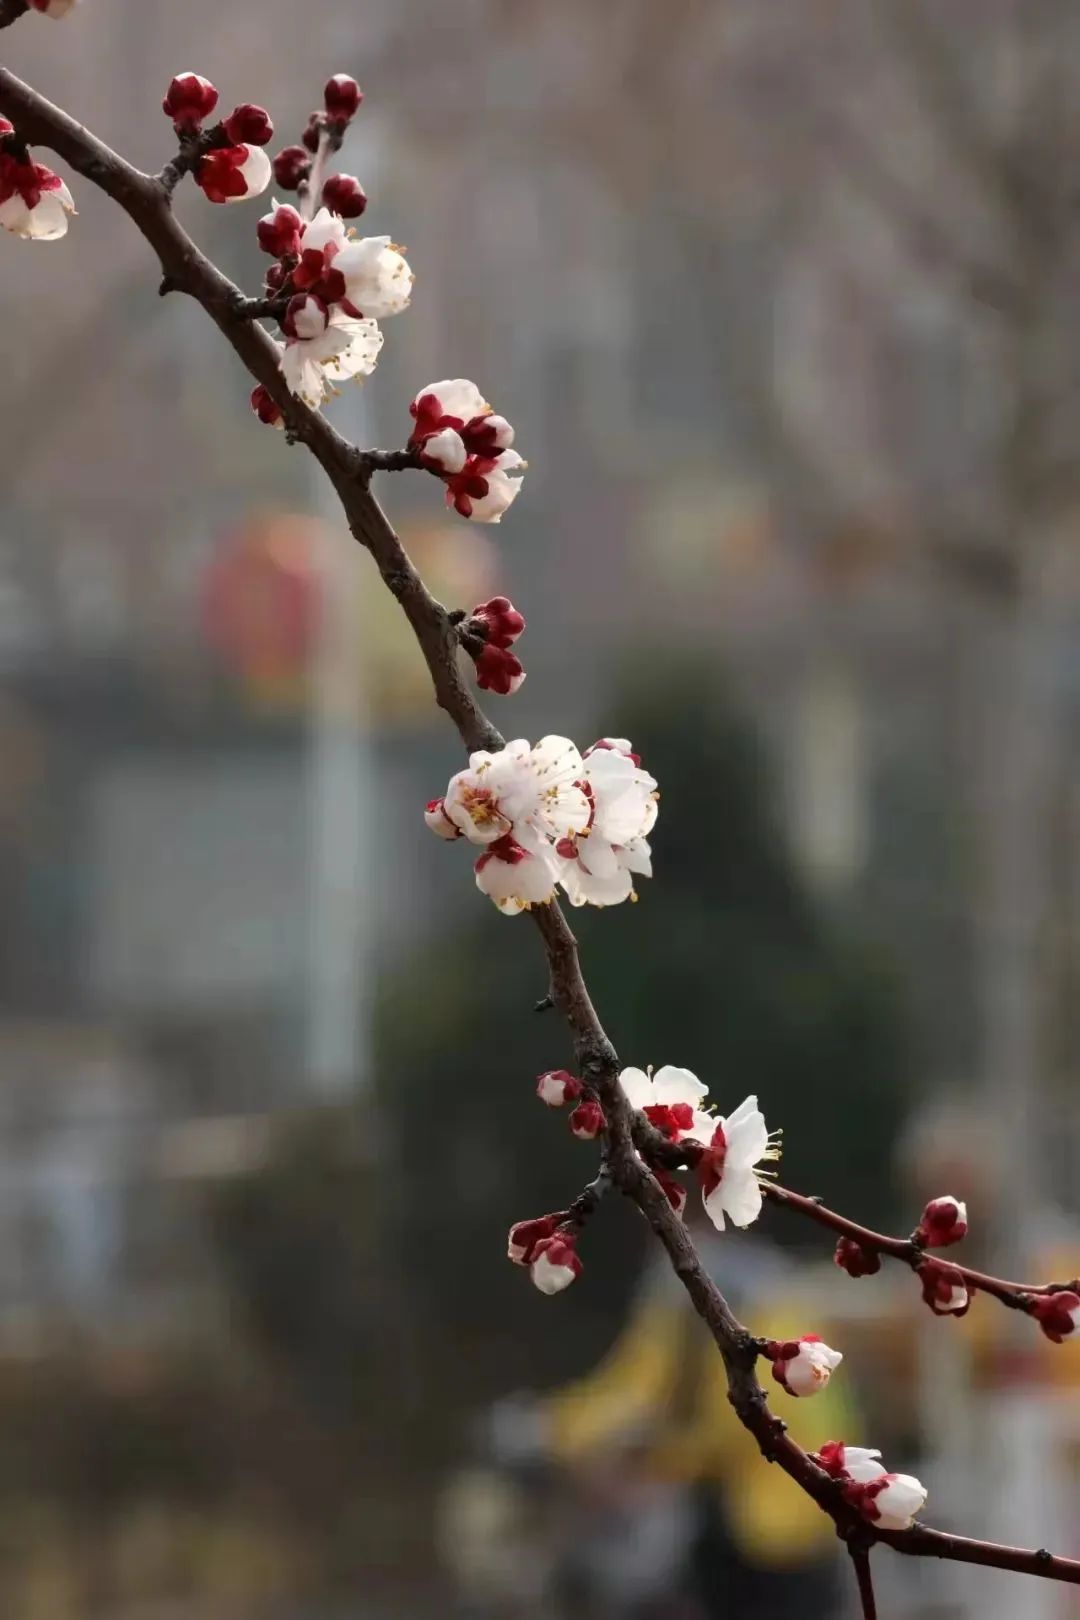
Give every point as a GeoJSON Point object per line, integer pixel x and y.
{"type": "Point", "coordinates": [189, 100]}
{"type": "Point", "coordinates": [556, 1087]}
{"type": "Point", "coordinates": [342, 96]}
{"type": "Point", "coordinates": [587, 1120]}
{"type": "Point", "coordinates": [291, 166]}
{"type": "Point", "coordinates": [279, 233]}
{"type": "Point", "coordinates": [944, 1288]}
{"type": "Point", "coordinates": [525, 1235]}
{"type": "Point", "coordinates": [249, 123]}
{"type": "Point", "coordinates": [554, 1264]}
{"type": "Point", "coordinates": [265, 408]}
{"type": "Point", "coordinates": [803, 1366]}
{"type": "Point", "coordinates": [343, 194]}
{"type": "Point", "coordinates": [855, 1260]}
{"type": "Point", "coordinates": [944, 1221]}
{"type": "Point", "coordinates": [1057, 1314]}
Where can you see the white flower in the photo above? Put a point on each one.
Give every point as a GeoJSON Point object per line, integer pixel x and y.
{"type": "Point", "coordinates": [514, 876]}
{"type": "Point", "coordinates": [439, 822]}
{"type": "Point", "coordinates": [378, 281]}
{"type": "Point", "coordinates": [519, 789]}
{"type": "Point", "coordinates": [554, 1265]}
{"type": "Point", "coordinates": [598, 868]}
{"type": "Point", "coordinates": [324, 346]}
{"type": "Point", "coordinates": [729, 1179]}
{"type": "Point", "coordinates": [36, 202]}
{"type": "Point", "coordinates": [325, 236]}
{"type": "Point", "coordinates": [804, 1366]}
{"type": "Point", "coordinates": [445, 451]}
{"type": "Point", "coordinates": [850, 1462]}
{"type": "Point", "coordinates": [670, 1098]}
{"type": "Point", "coordinates": [893, 1501]}
{"type": "Point", "coordinates": [452, 402]}
{"type": "Point", "coordinates": [483, 489]}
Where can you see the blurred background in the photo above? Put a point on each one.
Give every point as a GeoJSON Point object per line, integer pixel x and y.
{"type": "Point", "coordinates": [782, 301]}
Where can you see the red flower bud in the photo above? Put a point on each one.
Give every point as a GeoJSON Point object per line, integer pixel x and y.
{"type": "Point", "coordinates": [498, 671]}
{"type": "Point", "coordinates": [501, 621]}
{"type": "Point", "coordinates": [557, 1086]}
{"type": "Point", "coordinates": [944, 1288]}
{"type": "Point", "coordinates": [343, 194]}
{"type": "Point", "coordinates": [944, 1221]}
{"type": "Point", "coordinates": [342, 96]}
{"type": "Point", "coordinates": [189, 100]}
{"type": "Point", "coordinates": [1057, 1314]}
{"type": "Point", "coordinates": [525, 1235]}
{"type": "Point", "coordinates": [855, 1260]}
{"type": "Point", "coordinates": [587, 1120]}
{"type": "Point", "coordinates": [264, 407]}
{"type": "Point", "coordinates": [315, 126]}
{"type": "Point", "coordinates": [279, 233]}
{"type": "Point", "coordinates": [291, 165]}
{"type": "Point", "coordinates": [249, 123]}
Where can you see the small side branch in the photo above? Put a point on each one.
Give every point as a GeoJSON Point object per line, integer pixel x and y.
{"type": "Point", "coordinates": [860, 1559]}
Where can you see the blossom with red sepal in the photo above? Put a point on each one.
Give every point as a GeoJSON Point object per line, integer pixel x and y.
{"type": "Point", "coordinates": [233, 173]}
{"type": "Point", "coordinates": [587, 1120]}
{"type": "Point", "coordinates": [464, 443]}
{"type": "Point", "coordinates": [34, 202]}
{"type": "Point", "coordinates": [439, 822]}
{"type": "Point", "coordinates": [803, 1366]}
{"type": "Point", "coordinates": [280, 231]}
{"type": "Point", "coordinates": [343, 194]}
{"type": "Point", "coordinates": [890, 1501]}
{"type": "Point", "coordinates": [557, 1087]}
{"type": "Point", "coordinates": [1057, 1314]}
{"type": "Point", "coordinates": [851, 1257]}
{"type": "Point", "coordinates": [189, 101]}
{"type": "Point", "coordinates": [554, 1264]}
{"type": "Point", "coordinates": [249, 124]}
{"type": "Point", "coordinates": [291, 166]}
{"type": "Point", "coordinates": [525, 1235]}
{"type": "Point", "coordinates": [265, 408]}
{"type": "Point", "coordinates": [944, 1221]}
{"type": "Point", "coordinates": [944, 1288]}
{"type": "Point", "coordinates": [499, 671]}
{"type": "Point", "coordinates": [501, 621]}
{"type": "Point", "coordinates": [342, 97]}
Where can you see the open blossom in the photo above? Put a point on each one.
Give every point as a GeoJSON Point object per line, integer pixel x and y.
{"type": "Point", "coordinates": [850, 1462]}
{"type": "Point", "coordinates": [803, 1366]}
{"type": "Point", "coordinates": [465, 443]}
{"type": "Point", "coordinates": [519, 789]}
{"type": "Point", "coordinates": [323, 346]}
{"type": "Point", "coordinates": [944, 1288]}
{"type": "Point", "coordinates": [598, 867]}
{"type": "Point", "coordinates": [369, 274]}
{"type": "Point", "coordinates": [727, 1171]}
{"type": "Point", "coordinates": [514, 876]}
{"type": "Point", "coordinates": [554, 1264]}
{"type": "Point", "coordinates": [34, 202]}
{"type": "Point", "coordinates": [233, 173]}
{"type": "Point", "coordinates": [944, 1221]}
{"type": "Point", "coordinates": [670, 1099]}
{"type": "Point", "coordinates": [1057, 1314]}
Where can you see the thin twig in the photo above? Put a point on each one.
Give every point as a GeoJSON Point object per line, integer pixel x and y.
{"type": "Point", "coordinates": [860, 1558]}
{"type": "Point", "coordinates": [146, 200]}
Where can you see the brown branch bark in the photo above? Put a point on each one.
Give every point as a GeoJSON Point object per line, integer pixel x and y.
{"type": "Point", "coordinates": [12, 10]}
{"type": "Point", "coordinates": [860, 1559]}
{"type": "Point", "coordinates": [146, 200]}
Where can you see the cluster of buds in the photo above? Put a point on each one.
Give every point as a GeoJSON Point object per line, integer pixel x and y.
{"type": "Point", "coordinates": [890, 1501]}
{"type": "Point", "coordinates": [802, 1366]}
{"type": "Point", "coordinates": [547, 1249]}
{"type": "Point", "coordinates": [463, 442]}
{"type": "Point", "coordinates": [487, 635]}
{"type": "Point", "coordinates": [229, 162]}
{"type": "Point", "coordinates": [341, 193]}
{"type": "Point", "coordinates": [34, 202]}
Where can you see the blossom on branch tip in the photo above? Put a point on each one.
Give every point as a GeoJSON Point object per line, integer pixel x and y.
{"type": "Point", "coordinates": [265, 407]}
{"type": "Point", "coordinates": [1057, 1314]}
{"type": "Point", "coordinates": [944, 1221]}
{"type": "Point", "coordinates": [525, 1235]}
{"type": "Point", "coordinates": [291, 167]}
{"type": "Point", "coordinates": [189, 101]}
{"type": "Point", "coordinates": [342, 96]}
{"type": "Point", "coordinates": [557, 1087]}
{"type": "Point", "coordinates": [727, 1171]}
{"type": "Point", "coordinates": [803, 1366]}
{"type": "Point", "coordinates": [233, 173]}
{"type": "Point", "coordinates": [34, 202]}
{"type": "Point", "coordinates": [891, 1501]}
{"type": "Point", "coordinates": [343, 194]}
{"type": "Point", "coordinates": [854, 1259]}
{"type": "Point", "coordinates": [249, 124]}
{"type": "Point", "coordinates": [554, 1264]}
{"type": "Point", "coordinates": [587, 1120]}
{"type": "Point", "coordinates": [944, 1288]}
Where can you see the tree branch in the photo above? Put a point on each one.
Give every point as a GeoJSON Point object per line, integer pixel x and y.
{"type": "Point", "coordinates": [146, 200]}
{"type": "Point", "coordinates": [860, 1558]}
{"type": "Point", "coordinates": [12, 10]}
